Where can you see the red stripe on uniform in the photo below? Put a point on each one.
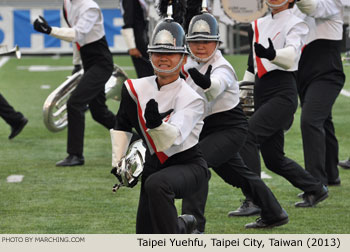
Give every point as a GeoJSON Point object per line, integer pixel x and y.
{"type": "Point", "coordinates": [259, 64]}
{"type": "Point", "coordinates": [302, 49]}
{"type": "Point", "coordinates": [66, 15]}
{"type": "Point", "coordinates": [184, 72]}
{"type": "Point", "coordinates": [161, 155]}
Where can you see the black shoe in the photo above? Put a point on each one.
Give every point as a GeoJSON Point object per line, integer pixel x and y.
{"type": "Point", "coordinates": [335, 182]}
{"type": "Point", "coordinates": [196, 231]}
{"type": "Point", "coordinates": [15, 130]}
{"type": "Point", "coordinates": [71, 160]}
{"type": "Point", "coordinates": [246, 209]}
{"type": "Point", "coordinates": [260, 223]}
{"type": "Point", "coordinates": [301, 195]}
{"type": "Point", "coordinates": [311, 199]}
{"type": "Point", "coordinates": [190, 223]}
{"type": "Point", "coordinates": [345, 164]}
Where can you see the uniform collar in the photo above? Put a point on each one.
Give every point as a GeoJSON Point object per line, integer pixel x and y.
{"type": "Point", "coordinates": [171, 85]}
{"type": "Point", "coordinates": [281, 14]}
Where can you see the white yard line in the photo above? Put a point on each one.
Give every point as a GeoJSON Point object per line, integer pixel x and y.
{"type": "Point", "coordinates": [3, 61]}
{"type": "Point", "coordinates": [15, 178]}
{"type": "Point", "coordinates": [47, 68]}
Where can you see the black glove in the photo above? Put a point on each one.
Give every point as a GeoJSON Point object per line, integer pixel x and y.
{"type": "Point", "coordinates": [152, 115]}
{"type": "Point", "coordinates": [41, 25]}
{"type": "Point", "coordinates": [201, 80]}
{"type": "Point", "coordinates": [76, 69]}
{"type": "Point", "coordinates": [267, 53]}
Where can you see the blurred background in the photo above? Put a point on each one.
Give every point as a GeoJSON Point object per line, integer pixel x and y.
{"type": "Point", "coordinates": [16, 17]}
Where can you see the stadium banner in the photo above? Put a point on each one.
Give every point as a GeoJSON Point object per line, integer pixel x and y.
{"type": "Point", "coordinates": [16, 28]}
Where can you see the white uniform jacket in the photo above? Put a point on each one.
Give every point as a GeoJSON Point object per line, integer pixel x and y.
{"type": "Point", "coordinates": [324, 17]}
{"type": "Point", "coordinates": [187, 116]}
{"type": "Point", "coordinates": [223, 73]}
{"type": "Point", "coordinates": [285, 30]}
{"type": "Point", "coordinates": [86, 18]}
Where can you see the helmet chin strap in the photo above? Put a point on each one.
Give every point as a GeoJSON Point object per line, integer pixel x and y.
{"type": "Point", "coordinates": [274, 6]}
{"type": "Point", "coordinates": [170, 70]}
{"type": "Point", "coordinates": [205, 59]}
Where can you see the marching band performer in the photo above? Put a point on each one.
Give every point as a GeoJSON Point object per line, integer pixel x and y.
{"type": "Point", "coordinates": [320, 80]}
{"type": "Point", "coordinates": [85, 22]}
{"type": "Point", "coordinates": [276, 46]}
{"type": "Point", "coordinates": [225, 124]}
{"type": "Point", "coordinates": [168, 115]}
{"type": "Point", "coordinates": [135, 33]}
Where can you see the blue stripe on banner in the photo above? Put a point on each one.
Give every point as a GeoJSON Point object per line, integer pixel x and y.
{"type": "Point", "coordinates": [2, 34]}
{"type": "Point", "coordinates": [111, 30]}
{"type": "Point", "coordinates": [53, 17]}
{"type": "Point", "coordinates": [22, 28]}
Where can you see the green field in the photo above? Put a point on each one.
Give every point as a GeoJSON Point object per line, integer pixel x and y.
{"type": "Point", "coordinates": [52, 200]}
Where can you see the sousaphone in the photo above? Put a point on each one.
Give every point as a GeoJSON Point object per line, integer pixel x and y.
{"type": "Point", "coordinates": [55, 105]}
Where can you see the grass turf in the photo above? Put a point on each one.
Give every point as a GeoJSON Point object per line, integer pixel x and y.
{"type": "Point", "coordinates": [72, 200]}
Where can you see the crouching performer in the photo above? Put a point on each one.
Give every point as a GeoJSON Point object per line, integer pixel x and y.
{"type": "Point", "coordinates": [168, 115]}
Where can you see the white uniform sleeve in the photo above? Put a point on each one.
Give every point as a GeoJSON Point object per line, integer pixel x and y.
{"type": "Point", "coordinates": [185, 119]}
{"type": "Point", "coordinates": [288, 56]}
{"type": "Point", "coordinates": [85, 23]}
{"type": "Point", "coordinates": [297, 35]}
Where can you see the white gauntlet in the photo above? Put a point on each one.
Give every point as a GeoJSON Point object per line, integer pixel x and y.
{"type": "Point", "coordinates": [64, 33]}
{"type": "Point", "coordinates": [120, 143]}
{"type": "Point", "coordinates": [307, 6]}
{"type": "Point", "coordinates": [214, 90]}
{"type": "Point", "coordinates": [129, 37]}
{"type": "Point", "coordinates": [285, 57]}
{"type": "Point", "coordinates": [164, 136]}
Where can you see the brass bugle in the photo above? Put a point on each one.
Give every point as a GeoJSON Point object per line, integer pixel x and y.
{"type": "Point", "coordinates": [14, 51]}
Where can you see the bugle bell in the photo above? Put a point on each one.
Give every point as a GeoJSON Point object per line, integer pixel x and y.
{"type": "Point", "coordinates": [246, 96]}
{"type": "Point", "coordinates": [4, 51]}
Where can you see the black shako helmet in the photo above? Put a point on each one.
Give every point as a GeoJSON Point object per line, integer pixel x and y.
{"type": "Point", "coordinates": [168, 37]}
{"type": "Point", "coordinates": [203, 27]}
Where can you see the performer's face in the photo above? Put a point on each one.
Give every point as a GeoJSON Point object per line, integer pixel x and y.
{"type": "Point", "coordinates": [284, 5]}
{"type": "Point", "coordinates": [202, 49]}
{"type": "Point", "coordinates": [167, 61]}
